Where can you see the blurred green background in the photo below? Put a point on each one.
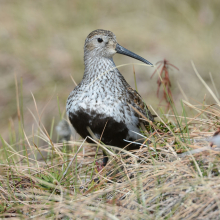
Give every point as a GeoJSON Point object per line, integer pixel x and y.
{"type": "Point", "coordinates": [41, 42]}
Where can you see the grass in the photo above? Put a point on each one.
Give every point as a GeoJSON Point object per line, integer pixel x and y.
{"type": "Point", "coordinates": [40, 178]}
{"type": "Point", "coordinates": [41, 46]}
{"type": "Point", "coordinates": [151, 185]}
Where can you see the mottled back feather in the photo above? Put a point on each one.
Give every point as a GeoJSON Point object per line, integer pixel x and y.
{"type": "Point", "coordinates": [104, 96]}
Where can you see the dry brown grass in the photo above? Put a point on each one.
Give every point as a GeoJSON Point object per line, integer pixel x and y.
{"type": "Point", "coordinates": [150, 184]}
{"type": "Point", "coordinates": [41, 46]}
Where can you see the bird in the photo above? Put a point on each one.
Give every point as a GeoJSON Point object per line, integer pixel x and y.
{"type": "Point", "coordinates": [103, 101]}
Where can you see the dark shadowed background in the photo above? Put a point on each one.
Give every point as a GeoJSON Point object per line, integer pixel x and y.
{"type": "Point", "coordinates": [41, 43]}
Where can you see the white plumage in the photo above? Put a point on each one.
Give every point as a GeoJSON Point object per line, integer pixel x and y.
{"type": "Point", "coordinates": [103, 98]}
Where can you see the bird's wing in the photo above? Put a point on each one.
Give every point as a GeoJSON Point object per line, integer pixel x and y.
{"type": "Point", "coordinates": [137, 102]}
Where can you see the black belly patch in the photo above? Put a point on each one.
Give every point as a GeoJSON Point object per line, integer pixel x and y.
{"type": "Point", "coordinates": [114, 132]}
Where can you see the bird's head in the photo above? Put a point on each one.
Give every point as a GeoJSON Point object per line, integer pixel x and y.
{"type": "Point", "coordinates": [103, 43]}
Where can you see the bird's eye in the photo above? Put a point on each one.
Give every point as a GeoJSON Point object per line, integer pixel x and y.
{"type": "Point", "coordinates": [99, 40]}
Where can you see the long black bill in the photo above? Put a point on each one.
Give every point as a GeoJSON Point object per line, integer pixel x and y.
{"type": "Point", "coordinates": [126, 52]}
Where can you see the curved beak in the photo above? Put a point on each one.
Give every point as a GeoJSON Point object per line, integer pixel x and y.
{"type": "Point", "coordinates": [122, 50]}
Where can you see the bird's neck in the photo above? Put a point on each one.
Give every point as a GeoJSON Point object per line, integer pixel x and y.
{"type": "Point", "coordinates": [100, 69]}
{"type": "Point", "coordinates": [101, 72]}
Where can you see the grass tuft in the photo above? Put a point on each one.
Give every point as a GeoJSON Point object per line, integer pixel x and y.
{"type": "Point", "coordinates": [162, 180]}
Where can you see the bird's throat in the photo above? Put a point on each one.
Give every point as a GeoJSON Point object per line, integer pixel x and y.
{"type": "Point", "coordinates": [102, 72]}
{"type": "Point", "coordinates": [100, 69]}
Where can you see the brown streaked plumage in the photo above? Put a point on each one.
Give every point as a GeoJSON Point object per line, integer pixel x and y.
{"type": "Point", "coordinates": [104, 101]}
